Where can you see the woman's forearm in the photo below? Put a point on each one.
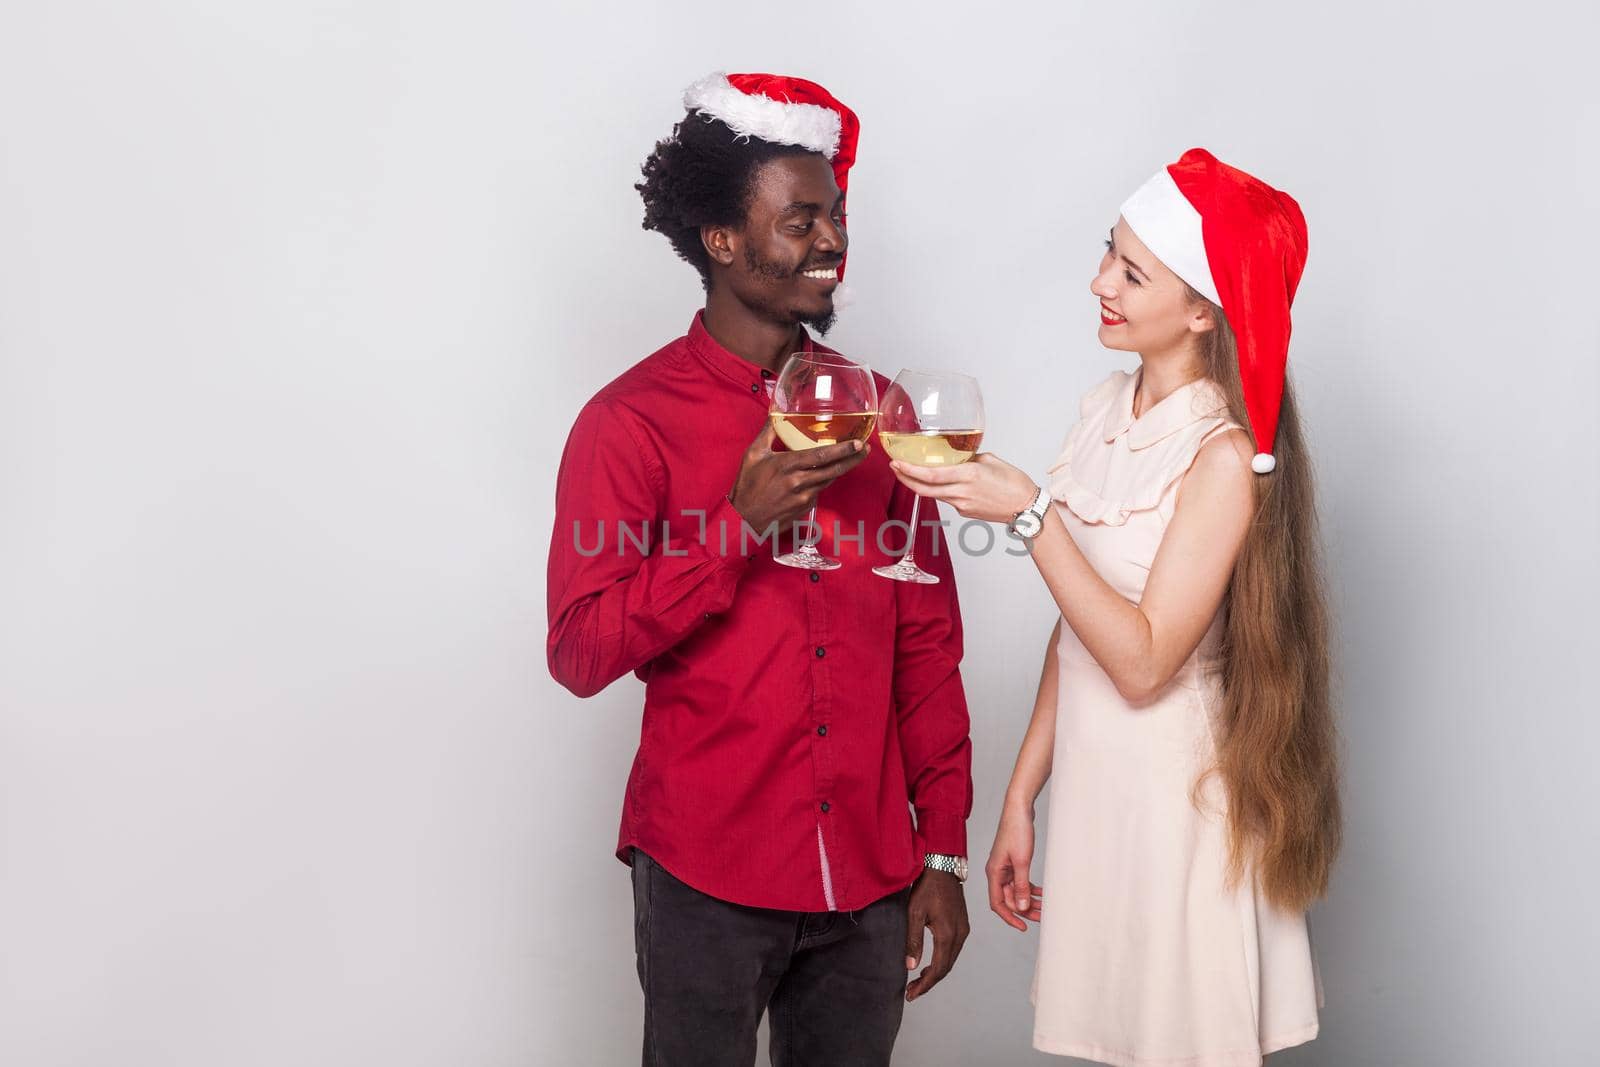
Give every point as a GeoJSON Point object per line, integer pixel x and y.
{"type": "Point", "coordinates": [1034, 758]}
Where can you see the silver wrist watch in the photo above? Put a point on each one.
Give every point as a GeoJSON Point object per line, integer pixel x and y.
{"type": "Point", "coordinates": [1030, 520]}
{"type": "Point", "coordinates": [956, 865]}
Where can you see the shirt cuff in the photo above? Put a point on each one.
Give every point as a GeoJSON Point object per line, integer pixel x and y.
{"type": "Point", "coordinates": [728, 537]}
{"type": "Point", "coordinates": [942, 833]}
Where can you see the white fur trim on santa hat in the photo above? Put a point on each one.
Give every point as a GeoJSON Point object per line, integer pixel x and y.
{"type": "Point", "coordinates": [1263, 463]}
{"type": "Point", "coordinates": [1170, 227]}
{"type": "Point", "coordinates": [807, 125]}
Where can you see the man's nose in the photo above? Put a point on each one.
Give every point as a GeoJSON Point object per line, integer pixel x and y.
{"type": "Point", "coordinates": [831, 237]}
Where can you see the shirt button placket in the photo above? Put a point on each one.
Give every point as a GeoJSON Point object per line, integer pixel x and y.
{"type": "Point", "coordinates": [824, 752]}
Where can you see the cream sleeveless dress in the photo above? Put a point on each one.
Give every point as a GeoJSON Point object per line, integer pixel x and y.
{"type": "Point", "coordinates": [1146, 956]}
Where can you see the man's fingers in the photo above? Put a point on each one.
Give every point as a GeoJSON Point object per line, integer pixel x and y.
{"type": "Point", "coordinates": [915, 921]}
{"type": "Point", "coordinates": [824, 474]}
{"type": "Point", "coordinates": [842, 450]}
{"type": "Point", "coordinates": [944, 952]}
{"type": "Point", "coordinates": [812, 458]}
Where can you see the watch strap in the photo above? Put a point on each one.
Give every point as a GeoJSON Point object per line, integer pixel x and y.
{"type": "Point", "coordinates": [938, 861]}
{"type": "Point", "coordinates": [1039, 508]}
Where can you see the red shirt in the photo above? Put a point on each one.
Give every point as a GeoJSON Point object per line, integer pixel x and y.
{"type": "Point", "coordinates": [792, 719]}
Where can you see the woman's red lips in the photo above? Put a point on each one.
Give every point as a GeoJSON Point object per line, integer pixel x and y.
{"type": "Point", "coordinates": [1110, 318]}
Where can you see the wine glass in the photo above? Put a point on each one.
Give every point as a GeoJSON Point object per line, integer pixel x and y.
{"type": "Point", "coordinates": [821, 399]}
{"type": "Point", "coordinates": [933, 419]}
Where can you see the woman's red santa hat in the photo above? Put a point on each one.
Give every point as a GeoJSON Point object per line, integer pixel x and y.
{"type": "Point", "coordinates": [1242, 245]}
{"type": "Point", "coordinates": [781, 110]}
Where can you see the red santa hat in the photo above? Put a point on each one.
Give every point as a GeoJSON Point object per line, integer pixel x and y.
{"type": "Point", "coordinates": [781, 110]}
{"type": "Point", "coordinates": [1241, 244]}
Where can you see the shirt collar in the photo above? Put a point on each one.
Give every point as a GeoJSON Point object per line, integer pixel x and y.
{"type": "Point", "coordinates": [741, 372]}
{"type": "Point", "coordinates": [1184, 406]}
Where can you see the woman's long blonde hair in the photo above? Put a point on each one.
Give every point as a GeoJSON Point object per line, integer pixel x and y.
{"type": "Point", "coordinates": [1278, 757]}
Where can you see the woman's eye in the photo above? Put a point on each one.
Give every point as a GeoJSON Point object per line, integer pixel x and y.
{"type": "Point", "coordinates": [1129, 275]}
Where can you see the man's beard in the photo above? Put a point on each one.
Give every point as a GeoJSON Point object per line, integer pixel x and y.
{"type": "Point", "coordinates": [821, 322]}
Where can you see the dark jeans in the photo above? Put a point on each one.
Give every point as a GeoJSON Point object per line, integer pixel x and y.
{"type": "Point", "coordinates": [834, 982]}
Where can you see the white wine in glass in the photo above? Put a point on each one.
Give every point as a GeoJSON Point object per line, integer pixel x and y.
{"type": "Point", "coordinates": [932, 448]}
{"type": "Point", "coordinates": [801, 431]}
{"type": "Point", "coordinates": [821, 399]}
{"type": "Point", "coordinates": [932, 419]}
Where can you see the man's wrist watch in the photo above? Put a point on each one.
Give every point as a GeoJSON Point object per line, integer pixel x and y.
{"type": "Point", "coordinates": [956, 865]}
{"type": "Point", "coordinates": [1030, 520]}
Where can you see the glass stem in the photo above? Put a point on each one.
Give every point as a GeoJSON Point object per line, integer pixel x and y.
{"type": "Point", "coordinates": [908, 560]}
{"type": "Point", "coordinates": [816, 534]}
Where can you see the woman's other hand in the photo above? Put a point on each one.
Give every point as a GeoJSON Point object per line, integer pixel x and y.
{"type": "Point", "coordinates": [1011, 895]}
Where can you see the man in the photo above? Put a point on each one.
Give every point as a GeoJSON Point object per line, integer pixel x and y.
{"type": "Point", "coordinates": [790, 715]}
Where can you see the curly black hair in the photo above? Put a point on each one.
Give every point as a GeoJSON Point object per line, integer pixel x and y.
{"type": "Point", "coordinates": [702, 176]}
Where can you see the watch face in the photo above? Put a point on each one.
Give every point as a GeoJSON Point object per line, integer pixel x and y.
{"type": "Point", "coordinates": [1028, 524]}
{"type": "Point", "coordinates": [961, 868]}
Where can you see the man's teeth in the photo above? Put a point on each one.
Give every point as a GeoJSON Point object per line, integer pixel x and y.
{"type": "Point", "coordinates": [831, 274]}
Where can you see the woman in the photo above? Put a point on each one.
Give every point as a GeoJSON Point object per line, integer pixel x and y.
{"type": "Point", "coordinates": [1183, 706]}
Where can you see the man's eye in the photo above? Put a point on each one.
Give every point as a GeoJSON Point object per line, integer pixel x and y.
{"type": "Point", "coordinates": [800, 227]}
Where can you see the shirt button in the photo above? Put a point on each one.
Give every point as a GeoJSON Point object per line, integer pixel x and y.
{"type": "Point", "coordinates": [765, 373]}
{"type": "Point", "coordinates": [825, 808]}
{"type": "Point", "coordinates": [755, 387]}
{"type": "Point", "coordinates": [822, 731]}
{"type": "Point", "coordinates": [821, 652]}
{"type": "Point", "coordinates": [815, 577]}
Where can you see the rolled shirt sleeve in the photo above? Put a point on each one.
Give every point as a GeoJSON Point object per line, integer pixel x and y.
{"type": "Point", "coordinates": [613, 603]}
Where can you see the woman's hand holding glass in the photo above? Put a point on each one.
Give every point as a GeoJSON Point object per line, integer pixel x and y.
{"type": "Point", "coordinates": [986, 488]}
{"type": "Point", "coordinates": [933, 418]}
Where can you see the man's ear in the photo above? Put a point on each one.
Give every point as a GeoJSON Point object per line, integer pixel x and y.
{"type": "Point", "coordinates": [718, 242]}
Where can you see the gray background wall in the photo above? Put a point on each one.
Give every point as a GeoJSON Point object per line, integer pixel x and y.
{"type": "Point", "coordinates": [298, 300]}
